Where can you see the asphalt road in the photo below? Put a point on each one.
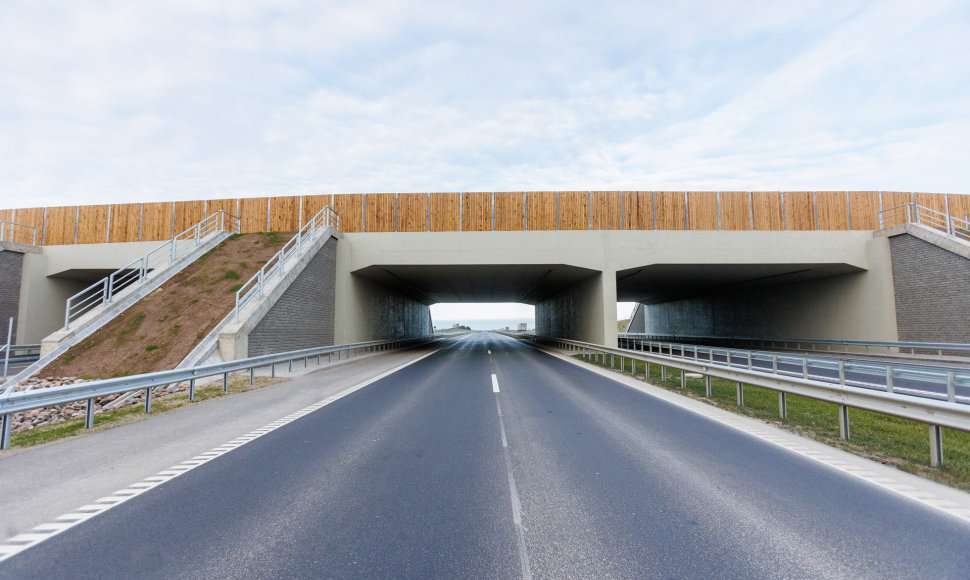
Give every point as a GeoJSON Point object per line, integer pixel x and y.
{"type": "Point", "coordinates": [547, 471]}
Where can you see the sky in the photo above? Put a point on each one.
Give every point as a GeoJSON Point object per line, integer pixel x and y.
{"type": "Point", "coordinates": [120, 101]}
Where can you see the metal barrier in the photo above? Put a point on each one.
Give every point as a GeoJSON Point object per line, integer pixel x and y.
{"type": "Point", "coordinates": [934, 382]}
{"type": "Point", "coordinates": [918, 214]}
{"type": "Point", "coordinates": [18, 402]}
{"type": "Point", "coordinates": [934, 412]}
{"type": "Point", "coordinates": [103, 292]}
{"type": "Point", "coordinates": [253, 288]}
{"type": "Point", "coordinates": [815, 345]}
{"type": "Point", "coordinates": [17, 233]}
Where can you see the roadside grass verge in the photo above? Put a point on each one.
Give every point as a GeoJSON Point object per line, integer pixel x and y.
{"type": "Point", "coordinates": [889, 440]}
{"type": "Point", "coordinates": [133, 413]}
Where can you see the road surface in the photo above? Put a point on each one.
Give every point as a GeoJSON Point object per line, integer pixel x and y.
{"type": "Point", "coordinates": [491, 459]}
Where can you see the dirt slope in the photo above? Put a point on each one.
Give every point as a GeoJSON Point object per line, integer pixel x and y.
{"type": "Point", "coordinates": [162, 328]}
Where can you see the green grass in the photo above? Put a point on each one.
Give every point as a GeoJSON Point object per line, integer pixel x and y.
{"type": "Point", "coordinates": [230, 275]}
{"type": "Point", "coordinates": [235, 288]}
{"type": "Point", "coordinates": [887, 439]}
{"type": "Point", "coordinates": [118, 417]}
{"type": "Point", "coordinates": [151, 347]}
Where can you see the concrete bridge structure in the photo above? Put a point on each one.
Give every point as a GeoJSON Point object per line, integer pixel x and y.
{"type": "Point", "coordinates": [767, 264]}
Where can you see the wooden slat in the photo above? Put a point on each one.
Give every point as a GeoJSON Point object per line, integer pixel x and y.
{"type": "Point", "coordinates": [350, 206]}
{"type": "Point", "coordinates": [6, 214]}
{"type": "Point", "coordinates": [735, 210]}
{"type": "Point", "coordinates": [125, 219]}
{"type": "Point", "coordinates": [312, 204]}
{"type": "Point", "coordinates": [892, 199]}
{"type": "Point", "coordinates": [59, 225]}
{"type": "Point", "coordinates": [156, 221]}
{"type": "Point", "coordinates": [510, 211]}
{"type": "Point", "coordinates": [412, 212]}
{"type": "Point", "coordinates": [476, 211]}
{"type": "Point", "coordinates": [92, 224]}
{"type": "Point", "coordinates": [833, 210]}
{"type": "Point", "coordinates": [638, 210]}
{"type": "Point", "coordinates": [799, 210]}
{"type": "Point", "coordinates": [380, 212]}
{"type": "Point", "coordinates": [605, 209]}
{"type": "Point", "coordinates": [187, 214]}
{"type": "Point", "coordinates": [671, 211]}
{"type": "Point", "coordinates": [31, 216]}
{"type": "Point", "coordinates": [767, 210]}
{"type": "Point", "coordinates": [444, 212]}
{"type": "Point", "coordinates": [540, 210]}
{"type": "Point", "coordinates": [702, 210]}
{"type": "Point", "coordinates": [959, 205]}
{"type": "Point", "coordinates": [252, 214]}
{"type": "Point", "coordinates": [573, 210]}
{"type": "Point", "coordinates": [934, 201]}
{"type": "Point", "coordinates": [226, 205]}
{"type": "Point", "coordinates": [284, 213]}
{"type": "Point", "coordinates": [864, 210]}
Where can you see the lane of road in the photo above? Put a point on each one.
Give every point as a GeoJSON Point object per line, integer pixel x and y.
{"type": "Point", "coordinates": [428, 471]}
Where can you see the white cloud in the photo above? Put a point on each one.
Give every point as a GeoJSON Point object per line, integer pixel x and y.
{"type": "Point", "coordinates": [114, 101]}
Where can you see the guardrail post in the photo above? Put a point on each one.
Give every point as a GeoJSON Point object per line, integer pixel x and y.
{"type": "Point", "coordinates": [225, 382]}
{"type": "Point", "coordinates": [889, 379]}
{"type": "Point", "coordinates": [252, 375]}
{"type": "Point", "coordinates": [663, 373]}
{"type": "Point", "coordinates": [683, 379]}
{"type": "Point", "coordinates": [105, 296]}
{"type": "Point", "coordinates": [89, 414]}
{"type": "Point", "coordinates": [708, 391]}
{"type": "Point", "coordinates": [191, 389]}
{"type": "Point", "coordinates": [740, 394]}
{"type": "Point", "coordinates": [148, 399]}
{"type": "Point", "coordinates": [936, 446]}
{"type": "Point", "coordinates": [950, 387]}
{"type": "Point", "coordinates": [5, 421]}
{"type": "Point", "coordinates": [273, 370]}
{"type": "Point", "coordinates": [842, 372]}
{"type": "Point", "coordinates": [843, 422]}
{"type": "Point", "coordinates": [783, 404]}
{"type": "Point", "coordinates": [805, 367]}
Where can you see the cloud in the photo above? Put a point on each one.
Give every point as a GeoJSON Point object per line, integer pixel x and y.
{"type": "Point", "coordinates": [120, 101]}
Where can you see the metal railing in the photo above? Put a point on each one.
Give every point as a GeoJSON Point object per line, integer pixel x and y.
{"type": "Point", "coordinates": [103, 291]}
{"type": "Point", "coordinates": [947, 410]}
{"type": "Point", "coordinates": [18, 402]}
{"type": "Point", "coordinates": [918, 214]}
{"type": "Point", "coordinates": [867, 347]}
{"type": "Point", "coordinates": [255, 286]}
{"type": "Point", "coordinates": [17, 233]}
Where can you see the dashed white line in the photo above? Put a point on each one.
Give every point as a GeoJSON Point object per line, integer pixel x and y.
{"type": "Point", "coordinates": [494, 383]}
{"type": "Point", "coordinates": [21, 542]}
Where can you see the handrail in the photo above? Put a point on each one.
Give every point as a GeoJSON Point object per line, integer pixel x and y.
{"type": "Point", "coordinates": [810, 343]}
{"type": "Point", "coordinates": [936, 413]}
{"type": "Point", "coordinates": [135, 272]}
{"type": "Point", "coordinates": [17, 233]}
{"type": "Point", "coordinates": [20, 401]}
{"type": "Point", "coordinates": [254, 287]}
{"type": "Point", "coordinates": [922, 215]}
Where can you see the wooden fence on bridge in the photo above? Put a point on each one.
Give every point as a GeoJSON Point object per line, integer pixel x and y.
{"type": "Point", "coordinates": [487, 211]}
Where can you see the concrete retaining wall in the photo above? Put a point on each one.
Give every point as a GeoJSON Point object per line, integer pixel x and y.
{"type": "Point", "coordinates": [303, 316]}
{"type": "Point", "coordinates": [576, 313]}
{"type": "Point", "coordinates": [932, 287]}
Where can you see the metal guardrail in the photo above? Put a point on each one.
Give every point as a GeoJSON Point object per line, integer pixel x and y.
{"type": "Point", "coordinates": [103, 292]}
{"type": "Point", "coordinates": [17, 233]}
{"type": "Point", "coordinates": [816, 345]}
{"type": "Point", "coordinates": [254, 287]}
{"type": "Point", "coordinates": [918, 214]}
{"type": "Point", "coordinates": [18, 402]}
{"type": "Point", "coordinates": [934, 412]}
{"type": "Point", "coordinates": [934, 382]}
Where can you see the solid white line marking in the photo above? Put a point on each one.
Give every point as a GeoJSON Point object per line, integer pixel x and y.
{"type": "Point", "coordinates": [489, 351]}
{"type": "Point", "coordinates": [13, 546]}
{"type": "Point", "coordinates": [494, 383]}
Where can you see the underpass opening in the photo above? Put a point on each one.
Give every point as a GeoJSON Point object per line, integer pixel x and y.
{"type": "Point", "coordinates": [502, 316]}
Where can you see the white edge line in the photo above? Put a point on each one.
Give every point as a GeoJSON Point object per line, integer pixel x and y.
{"type": "Point", "coordinates": [67, 521]}
{"type": "Point", "coordinates": [742, 423]}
